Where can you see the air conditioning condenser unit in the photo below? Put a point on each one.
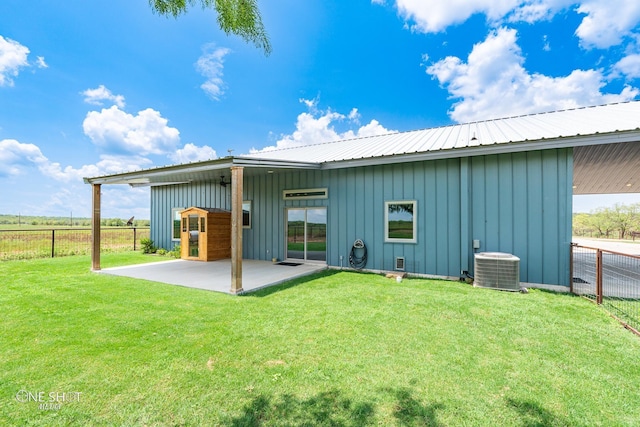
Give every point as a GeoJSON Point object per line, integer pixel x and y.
{"type": "Point", "coordinates": [497, 270]}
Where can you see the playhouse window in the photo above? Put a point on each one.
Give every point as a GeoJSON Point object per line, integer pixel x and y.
{"type": "Point", "coordinates": [400, 221]}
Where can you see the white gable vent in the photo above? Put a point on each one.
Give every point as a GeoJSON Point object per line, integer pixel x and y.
{"type": "Point", "coordinates": [497, 270]}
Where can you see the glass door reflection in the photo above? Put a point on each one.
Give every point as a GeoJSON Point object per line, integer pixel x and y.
{"type": "Point", "coordinates": [307, 234]}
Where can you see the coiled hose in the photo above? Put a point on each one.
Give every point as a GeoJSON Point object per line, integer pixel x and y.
{"type": "Point", "coordinates": [358, 262]}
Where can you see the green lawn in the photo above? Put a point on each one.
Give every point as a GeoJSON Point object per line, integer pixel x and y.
{"type": "Point", "coordinates": [340, 349]}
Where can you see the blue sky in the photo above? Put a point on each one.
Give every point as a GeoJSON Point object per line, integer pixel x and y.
{"type": "Point", "coordinates": [95, 87]}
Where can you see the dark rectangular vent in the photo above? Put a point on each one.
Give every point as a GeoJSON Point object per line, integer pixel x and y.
{"type": "Point", "coordinates": [310, 193]}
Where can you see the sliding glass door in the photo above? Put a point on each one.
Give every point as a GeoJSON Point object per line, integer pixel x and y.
{"type": "Point", "coordinates": [307, 234]}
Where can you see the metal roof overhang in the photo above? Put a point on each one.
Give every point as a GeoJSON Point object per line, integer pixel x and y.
{"type": "Point", "coordinates": [496, 148]}
{"type": "Point", "coordinates": [195, 172]}
{"type": "Point", "coordinates": [603, 163]}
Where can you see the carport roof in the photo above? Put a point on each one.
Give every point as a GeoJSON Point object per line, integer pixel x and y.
{"type": "Point", "coordinates": [606, 140]}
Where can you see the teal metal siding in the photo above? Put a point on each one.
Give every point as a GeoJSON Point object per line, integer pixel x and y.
{"type": "Point", "coordinates": [521, 204]}
{"type": "Point", "coordinates": [355, 210]}
{"type": "Point", "coordinates": [165, 198]}
{"type": "Point", "coordinates": [518, 203]}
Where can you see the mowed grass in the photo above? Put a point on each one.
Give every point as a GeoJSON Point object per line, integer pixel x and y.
{"type": "Point", "coordinates": [339, 348]}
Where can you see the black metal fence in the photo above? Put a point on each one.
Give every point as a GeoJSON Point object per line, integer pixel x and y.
{"type": "Point", "coordinates": [44, 243]}
{"type": "Point", "coordinates": [608, 278]}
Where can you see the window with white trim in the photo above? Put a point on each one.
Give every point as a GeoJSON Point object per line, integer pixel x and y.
{"type": "Point", "coordinates": [400, 221]}
{"type": "Point", "coordinates": [246, 214]}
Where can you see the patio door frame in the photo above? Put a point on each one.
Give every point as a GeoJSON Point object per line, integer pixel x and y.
{"type": "Point", "coordinates": [286, 234]}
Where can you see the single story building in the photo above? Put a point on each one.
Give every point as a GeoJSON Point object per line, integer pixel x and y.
{"type": "Point", "coordinates": [423, 201]}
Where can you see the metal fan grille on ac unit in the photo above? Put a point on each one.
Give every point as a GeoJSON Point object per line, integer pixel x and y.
{"type": "Point", "coordinates": [497, 270]}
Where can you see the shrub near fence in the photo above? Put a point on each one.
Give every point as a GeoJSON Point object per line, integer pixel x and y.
{"type": "Point", "coordinates": [44, 243]}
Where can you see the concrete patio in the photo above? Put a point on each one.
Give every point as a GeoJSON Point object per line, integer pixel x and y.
{"type": "Point", "coordinates": [215, 275]}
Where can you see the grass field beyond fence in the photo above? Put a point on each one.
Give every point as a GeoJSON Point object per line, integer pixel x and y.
{"type": "Point", "coordinates": [339, 349]}
{"type": "Point", "coordinates": [29, 243]}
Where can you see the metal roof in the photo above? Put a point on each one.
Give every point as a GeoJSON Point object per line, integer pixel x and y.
{"type": "Point", "coordinates": [522, 133]}
{"type": "Point", "coordinates": [606, 141]}
{"type": "Point", "coordinates": [208, 170]}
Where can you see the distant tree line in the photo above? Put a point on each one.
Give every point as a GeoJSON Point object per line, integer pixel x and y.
{"type": "Point", "coordinates": [621, 222]}
{"type": "Point", "coordinates": [59, 221]}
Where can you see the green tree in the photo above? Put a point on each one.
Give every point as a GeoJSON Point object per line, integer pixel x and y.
{"type": "Point", "coordinates": [582, 224]}
{"type": "Point", "coordinates": [623, 218]}
{"type": "Point", "coordinates": [239, 17]}
{"type": "Point", "coordinates": [601, 220]}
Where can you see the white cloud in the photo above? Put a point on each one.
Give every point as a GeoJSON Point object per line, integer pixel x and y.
{"type": "Point", "coordinates": [354, 116]}
{"type": "Point", "coordinates": [107, 165]}
{"type": "Point", "coordinates": [436, 15]}
{"type": "Point", "coordinates": [372, 128]}
{"type": "Point", "coordinates": [40, 62]}
{"type": "Point", "coordinates": [17, 158]}
{"type": "Point", "coordinates": [493, 83]}
{"type": "Point", "coordinates": [629, 66]}
{"type": "Point", "coordinates": [13, 57]}
{"type": "Point", "coordinates": [318, 126]}
{"type": "Point", "coordinates": [607, 21]}
{"type": "Point", "coordinates": [312, 104]}
{"type": "Point", "coordinates": [119, 132]}
{"type": "Point", "coordinates": [532, 11]}
{"type": "Point", "coordinates": [210, 65]}
{"type": "Point", "coordinates": [99, 95]}
{"type": "Point", "coordinates": [193, 153]}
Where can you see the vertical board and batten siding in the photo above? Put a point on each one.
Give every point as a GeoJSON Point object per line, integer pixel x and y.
{"type": "Point", "coordinates": [266, 237]}
{"type": "Point", "coordinates": [355, 210]}
{"type": "Point", "coordinates": [521, 204]}
{"type": "Point", "coordinates": [165, 198]}
{"type": "Point", "coordinates": [518, 203]}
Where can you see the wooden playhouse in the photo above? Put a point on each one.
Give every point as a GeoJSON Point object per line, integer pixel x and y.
{"type": "Point", "coordinates": [205, 234]}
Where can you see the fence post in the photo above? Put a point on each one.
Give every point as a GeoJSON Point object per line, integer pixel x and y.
{"type": "Point", "coordinates": [571, 247]}
{"type": "Point", "coordinates": [134, 239]}
{"type": "Point", "coordinates": [599, 276]}
{"type": "Point", "coordinates": [53, 243]}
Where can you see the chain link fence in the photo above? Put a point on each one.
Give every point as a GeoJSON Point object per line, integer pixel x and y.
{"type": "Point", "coordinates": [45, 243]}
{"type": "Point", "coordinates": [608, 278]}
